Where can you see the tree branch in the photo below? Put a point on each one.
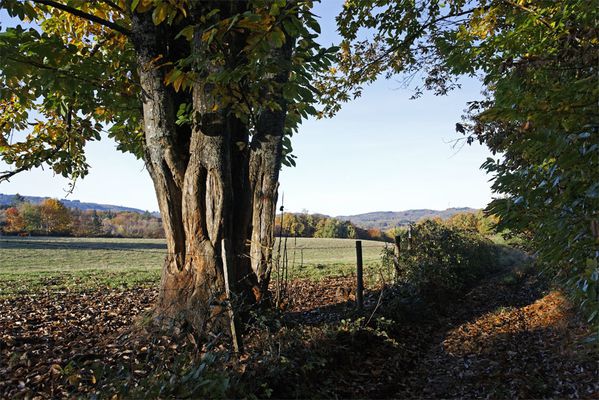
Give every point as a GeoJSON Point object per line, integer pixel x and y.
{"type": "Point", "coordinates": [530, 10]}
{"type": "Point", "coordinates": [84, 15]}
{"type": "Point", "coordinates": [99, 45]}
{"type": "Point", "coordinates": [410, 39]}
{"type": "Point", "coordinates": [63, 74]}
{"type": "Point", "coordinates": [6, 175]}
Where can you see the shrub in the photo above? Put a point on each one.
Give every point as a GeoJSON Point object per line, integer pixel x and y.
{"type": "Point", "coordinates": [444, 260]}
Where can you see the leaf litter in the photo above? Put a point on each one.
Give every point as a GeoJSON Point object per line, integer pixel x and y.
{"type": "Point", "coordinates": [500, 340]}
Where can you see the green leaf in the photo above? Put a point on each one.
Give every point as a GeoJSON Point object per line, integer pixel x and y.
{"type": "Point", "coordinates": [592, 316]}
{"type": "Point", "coordinates": [276, 38]}
{"type": "Point", "coordinates": [187, 32]}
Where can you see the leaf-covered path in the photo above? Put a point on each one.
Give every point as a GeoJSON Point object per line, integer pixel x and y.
{"type": "Point", "coordinates": [508, 337]}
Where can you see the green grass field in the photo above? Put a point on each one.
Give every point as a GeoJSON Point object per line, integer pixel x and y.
{"type": "Point", "coordinates": [317, 258]}
{"type": "Point", "coordinates": [33, 263]}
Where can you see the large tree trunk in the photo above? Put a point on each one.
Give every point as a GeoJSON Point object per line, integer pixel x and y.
{"type": "Point", "coordinates": [265, 164]}
{"type": "Point", "coordinates": [209, 188]}
{"type": "Point", "coordinates": [193, 190]}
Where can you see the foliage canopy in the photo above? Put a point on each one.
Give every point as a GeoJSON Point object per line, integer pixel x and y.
{"type": "Point", "coordinates": [538, 63]}
{"type": "Point", "coordinates": [69, 74]}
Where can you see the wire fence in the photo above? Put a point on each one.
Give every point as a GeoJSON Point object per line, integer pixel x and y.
{"type": "Point", "coordinates": [29, 265]}
{"type": "Point", "coordinates": [303, 257]}
{"type": "Point", "coordinates": [131, 245]}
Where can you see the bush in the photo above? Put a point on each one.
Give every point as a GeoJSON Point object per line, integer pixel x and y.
{"type": "Point", "coordinates": [444, 260]}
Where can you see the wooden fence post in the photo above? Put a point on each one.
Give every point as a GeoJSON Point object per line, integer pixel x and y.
{"type": "Point", "coordinates": [396, 257]}
{"type": "Point", "coordinates": [360, 276]}
{"type": "Point", "coordinates": [235, 333]}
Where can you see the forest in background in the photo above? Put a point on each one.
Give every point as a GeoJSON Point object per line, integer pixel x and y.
{"type": "Point", "coordinates": [51, 217]}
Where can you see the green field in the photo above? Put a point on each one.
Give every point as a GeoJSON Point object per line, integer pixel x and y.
{"type": "Point", "coordinates": [33, 263]}
{"type": "Point", "coordinates": [317, 258]}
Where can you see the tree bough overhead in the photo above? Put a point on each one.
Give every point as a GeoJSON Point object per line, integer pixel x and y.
{"type": "Point", "coordinates": [208, 93]}
{"type": "Point", "coordinates": [538, 61]}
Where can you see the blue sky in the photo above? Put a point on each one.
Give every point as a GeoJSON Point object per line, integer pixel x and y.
{"type": "Point", "coordinates": [382, 152]}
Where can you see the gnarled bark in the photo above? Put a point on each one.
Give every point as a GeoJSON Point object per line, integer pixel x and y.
{"type": "Point", "coordinates": [209, 188]}
{"type": "Point", "coordinates": [265, 163]}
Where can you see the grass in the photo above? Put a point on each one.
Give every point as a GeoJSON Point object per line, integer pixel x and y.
{"type": "Point", "coordinates": [33, 263]}
{"type": "Point", "coordinates": [315, 258]}
{"type": "Point", "coordinates": [30, 264]}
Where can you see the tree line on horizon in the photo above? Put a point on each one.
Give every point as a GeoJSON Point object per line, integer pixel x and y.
{"type": "Point", "coordinates": [322, 226]}
{"type": "Point", "coordinates": [52, 218]}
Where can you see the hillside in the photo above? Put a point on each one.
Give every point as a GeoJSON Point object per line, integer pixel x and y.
{"type": "Point", "coordinates": [377, 219]}
{"type": "Point", "coordinates": [8, 199]}
{"type": "Point", "coordinates": [388, 219]}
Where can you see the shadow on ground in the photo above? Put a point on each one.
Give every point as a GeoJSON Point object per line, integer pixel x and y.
{"type": "Point", "coordinates": [507, 337]}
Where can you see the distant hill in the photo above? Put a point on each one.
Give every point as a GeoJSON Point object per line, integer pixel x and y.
{"type": "Point", "coordinates": [378, 219]}
{"type": "Point", "coordinates": [389, 219]}
{"type": "Point", "coordinates": [8, 199]}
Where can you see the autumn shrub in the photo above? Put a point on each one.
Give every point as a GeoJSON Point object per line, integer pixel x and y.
{"type": "Point", "coordinates": [444, 260]}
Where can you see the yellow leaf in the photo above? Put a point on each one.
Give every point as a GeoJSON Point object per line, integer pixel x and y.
{"type": "Point", "coordinates": [178, 82]}
{"type": "Point", "coordinates": [144, 5]}
{"type": "Point", "coordinates": [160, 13]}
{"type": "Point", "coordinates": [208, 35]}
{"type": "Point", "coordinates": [74, 379]}
{"type": "Point", "coordinates": [179, 5]}
{"type": "Point", "coordinates": [172, 75]}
